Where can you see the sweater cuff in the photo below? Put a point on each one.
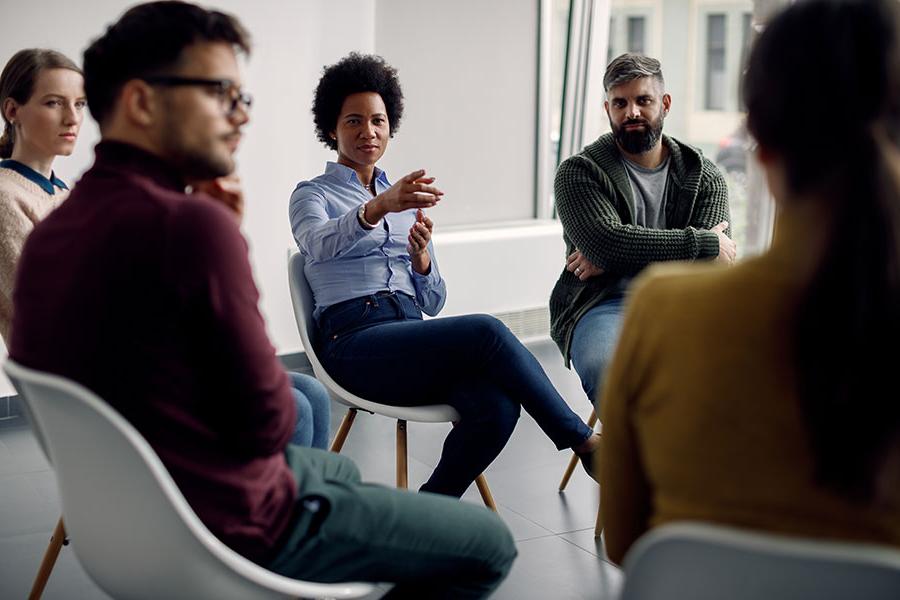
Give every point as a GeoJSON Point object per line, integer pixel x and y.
{"type": "Point", "coordinates": [709, 245]}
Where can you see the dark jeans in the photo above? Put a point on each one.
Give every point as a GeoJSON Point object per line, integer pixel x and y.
{"type": "Point", "coordinates": [379, 348]}
{"type": "Point", "coordinates": [429, 545]}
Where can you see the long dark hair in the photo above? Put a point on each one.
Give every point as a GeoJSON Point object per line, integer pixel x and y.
{"type": "Point", "coordinates": [823, 93]}
{"type": "Point", "coordinates": [17, 82]}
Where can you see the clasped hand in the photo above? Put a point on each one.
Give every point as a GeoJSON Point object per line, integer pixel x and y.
{"type": "Point", "coordinates": [583, 269]}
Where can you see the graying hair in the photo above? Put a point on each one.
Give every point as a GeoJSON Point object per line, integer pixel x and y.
{"type": "Point", "coordinates": [629, 67]}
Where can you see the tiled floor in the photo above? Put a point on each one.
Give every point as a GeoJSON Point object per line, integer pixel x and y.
{"type": "Point", "coordinates": [558, 556]}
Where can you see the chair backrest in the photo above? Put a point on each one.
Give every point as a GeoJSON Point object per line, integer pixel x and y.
{"type": "Point", "coordinates": [303, 303]}
{"type": "Point", "coordinates": [699, 561]}
{"type": "Point", "coordinates": [130, 526]}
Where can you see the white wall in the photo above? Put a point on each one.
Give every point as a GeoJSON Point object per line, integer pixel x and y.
{"type": "Point", "coordinates": [292, 41]}
{"type": "Point", "coordinates": [468, 69]}
{"type": "Point", "coordinates": [469, 75]}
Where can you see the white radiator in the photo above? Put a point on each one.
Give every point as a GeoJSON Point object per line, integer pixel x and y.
{"type": "Point", "coordinates": [505, 270]}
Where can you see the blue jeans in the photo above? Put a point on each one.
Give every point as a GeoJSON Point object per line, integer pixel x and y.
{"type": "Point", "coordinates": [313, 411]}
{"type": "Point", "coordinates": [593, 344]}
{"type": "Point", "coordinates": [379, 348]}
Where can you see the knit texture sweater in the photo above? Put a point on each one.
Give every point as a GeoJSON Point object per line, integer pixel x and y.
{"type": "Point", "coordinates": [595, 204]}
{"type": "Point", "coordinates": [22, 205]}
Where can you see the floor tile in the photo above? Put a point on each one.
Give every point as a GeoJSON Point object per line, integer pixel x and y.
{"type": "Point", "coordinates": [21, 556]}
{"type": "Point", "coordinates": [29, 503]}
{"type": "Point", "coordinates": [550, 567]}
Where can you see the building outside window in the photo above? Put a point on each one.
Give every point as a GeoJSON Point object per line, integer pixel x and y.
{"type": "Point", "coordinates": [636, 34]}
{"type": "Point", "coordinates": [715, 62]}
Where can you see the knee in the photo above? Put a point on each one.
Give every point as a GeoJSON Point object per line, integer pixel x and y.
{"type": "Point", "coordinates": [311, 388]}
{"type": "Point", "coordinates": [303, 430]}
{"type": "Point", "coordinates": [591, 357]}
{"type": "Point", "coordinates": [500, 550]}
{"type": "Point", "coordinates": [345, 468]}
{"type": "Point", "coordinates": [304, 407]}
{"type": "Point", "coordinates": [489, 332]}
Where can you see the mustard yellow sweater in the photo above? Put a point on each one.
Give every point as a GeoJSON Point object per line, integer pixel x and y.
{"type": "Point", "coordinates": [22, 205]}
{"type": "Point", "coordinates": [700, 418]}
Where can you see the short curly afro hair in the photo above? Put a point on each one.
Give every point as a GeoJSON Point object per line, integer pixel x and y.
{"type": "Point", "coordinates": [353, 74]}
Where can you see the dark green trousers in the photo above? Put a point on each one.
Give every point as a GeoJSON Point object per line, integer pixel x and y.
{"type": "Point", "coordinates": [430, 546]}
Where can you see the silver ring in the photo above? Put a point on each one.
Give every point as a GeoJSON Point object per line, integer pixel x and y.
{"type": "Point", "coordinates": [578, 270]}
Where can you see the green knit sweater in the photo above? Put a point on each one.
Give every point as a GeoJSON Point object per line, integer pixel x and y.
{"type": "Point", "coordinates": [596, 207]}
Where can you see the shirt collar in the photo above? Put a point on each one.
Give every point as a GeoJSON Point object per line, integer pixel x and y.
{"type": "Point", "coordinates": [48, 185]}
{"type": "Point", "coordinates": [345, 174]}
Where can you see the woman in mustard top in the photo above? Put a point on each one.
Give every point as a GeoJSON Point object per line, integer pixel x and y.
{"type": "Point", "coordinates": [764, 395]}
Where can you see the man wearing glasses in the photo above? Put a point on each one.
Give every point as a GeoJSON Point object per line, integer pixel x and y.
{"type": "Point", "coordinates": [143, 293]}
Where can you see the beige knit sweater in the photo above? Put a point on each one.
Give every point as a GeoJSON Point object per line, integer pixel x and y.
{"type": "Point", "coordinates": [22, 205]}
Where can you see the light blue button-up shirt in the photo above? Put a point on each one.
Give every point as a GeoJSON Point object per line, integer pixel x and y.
{"type": "Point", "coordinates": [344, 260]}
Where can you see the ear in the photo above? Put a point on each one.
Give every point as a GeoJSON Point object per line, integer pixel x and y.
{"type": "Point", "coordinates": [10, 107]}
{"type": "Point", "coordinates": [667, 102]}
{"type": "Point", "coordinates": [606, 107]}
{"type": "Point", "coordinates": [139, 103]}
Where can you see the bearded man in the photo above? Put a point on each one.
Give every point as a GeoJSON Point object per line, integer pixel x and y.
{"type": "Point", "coordinates": [629, 199]}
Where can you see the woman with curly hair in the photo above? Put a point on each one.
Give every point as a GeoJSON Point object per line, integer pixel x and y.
{"type": "Point", "coordinates": [372, 269]}
{"type": "Point", "coordinates": [42, 103]}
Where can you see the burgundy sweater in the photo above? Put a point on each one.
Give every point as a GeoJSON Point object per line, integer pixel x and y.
{"type": "Point", "coordinates": [145, 295]}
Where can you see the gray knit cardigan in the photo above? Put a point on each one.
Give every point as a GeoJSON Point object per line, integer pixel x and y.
{"type": "Point", "coordinates": [596, 207]}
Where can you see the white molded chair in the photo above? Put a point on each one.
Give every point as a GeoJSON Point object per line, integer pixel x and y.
{"type": "Point", "coordinates": [58, 538]}
{"type": "Point", "coordinates": [132, 530]}
{"type": "Point", "coordinates": [302, 298]}
{"type": "Point", "coordinates": [700, 561]}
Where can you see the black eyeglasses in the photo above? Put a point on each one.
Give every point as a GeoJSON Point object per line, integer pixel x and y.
{"type": "Point", "coordinates": [229, 94]}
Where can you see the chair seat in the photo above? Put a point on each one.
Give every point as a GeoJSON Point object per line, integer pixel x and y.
{"type": "Point", "coordinates": [131, 527]}
{"type": "Point", "coordinates": [303, 303]}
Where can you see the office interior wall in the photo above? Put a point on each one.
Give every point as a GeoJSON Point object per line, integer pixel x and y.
{"type": "Point", "coordinates": [291, 43]}
{"type": "Point", "coordinates": [469, 73]}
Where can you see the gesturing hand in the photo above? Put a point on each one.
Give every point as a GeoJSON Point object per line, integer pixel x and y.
{"type": "Point", "coordinates": [584, 269]}
{"type": "Point", "coordinates": [727, 246]}
{"type": "Point", "coordinates": [226, 190]}
{"type": "Point", "coordinates": [413, 191]}
{"type": "Point", "coordinates": [419, 236]}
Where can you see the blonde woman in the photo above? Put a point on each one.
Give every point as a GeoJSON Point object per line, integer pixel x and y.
{"type": "Point", "coordinates": [42, 101]}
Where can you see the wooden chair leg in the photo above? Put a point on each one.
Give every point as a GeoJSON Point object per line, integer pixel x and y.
{"type": "Point", "coordinates": [598, 527]}
{"type": "Point", "coordinates": [592, 420]}
{"type": "Point", "coordinates": [485, 492]}
{"type": "Point", "coordinates": [341, 436]}
{"type": "Point", "coordinates": [43, 574]}
{"type": "Point", "coordinates": [568, 474]}
{"type": "Point", "coordinates": [401, 455]}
